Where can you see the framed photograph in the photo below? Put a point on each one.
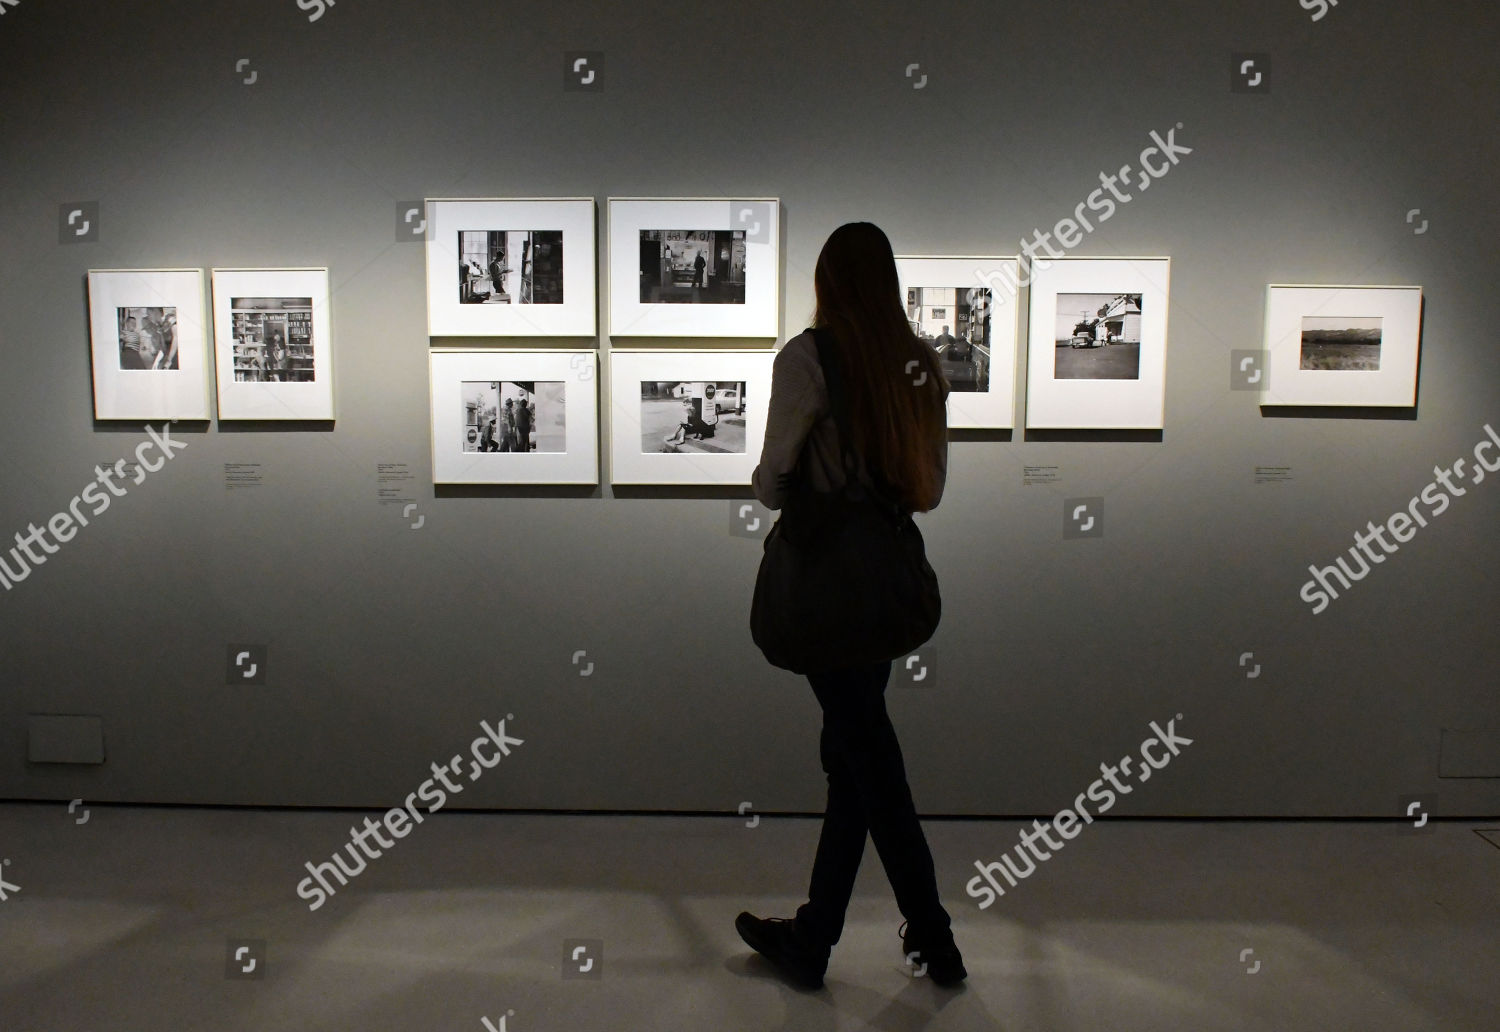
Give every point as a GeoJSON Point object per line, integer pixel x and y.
{"type": "Point", "coordinates": [694, 268]}
{"type": "Point", "coordinates": [515, 417]}
{"type": "Point", "coordinates": [965, 309]}
{"type": "Point", "coordinates": [1342, 345]}
{"type": "Point", "coordinates": [274, 344]}
{"type": "Point", "coordinates": [705, 429]}
{"type": "Point", "coordinates": [1097, 345]}
{"type": "Point", "coordinates": [511, 268]}
{"type": "Point", "coordinates": [149, 337]}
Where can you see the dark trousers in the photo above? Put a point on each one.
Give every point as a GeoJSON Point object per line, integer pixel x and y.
{"type": "Point", "coordinates": [867, 794]}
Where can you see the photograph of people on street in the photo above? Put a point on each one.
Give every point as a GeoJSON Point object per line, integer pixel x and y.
{"type": "Point", "coordinates": [273, 339]}
{"type": "Point", "coordinates": [955, 323]}
{"type": "Point", "coordinates": [1341, 343]}
{"type": "Point", "coordinates": [692, 416]}
{"type": "Point", "coordinates": [514, 416]}
{"type": "Point", "coordinates": [499, 267]}
{"type": "Point", "coordinates": [1098, 337]}
{"type": "Point", "coordinates": [148, 338]}
{"type": "Point", "coordinates": [700, 267]}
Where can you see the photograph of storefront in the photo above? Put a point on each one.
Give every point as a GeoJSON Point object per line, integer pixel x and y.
{"type": "Point", "coordinates": [681, 266]}
{"type": "Point", "coordinates": [701, 416]}
{"type": "Point", "coordinates": [955, 322]}
{"type": "Point", "coordinates": [514, 416]}
{"type": "Point", "coordinates": [1098, 337]}
{"type": "Point", "coordinates": [273, 339]}
{"type": "Point", "coordinates": [510, 267]}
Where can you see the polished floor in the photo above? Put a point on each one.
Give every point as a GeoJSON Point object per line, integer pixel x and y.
{"type": "Point", "coordinates": [133, 919]}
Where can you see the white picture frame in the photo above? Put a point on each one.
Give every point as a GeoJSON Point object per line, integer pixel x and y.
{"type": "Point", "coordinates": [1084, 381]}
{"type": "Point", "coordinates": [562, 386]}
{"type": "Point", "coordinates": [1319, 351]}
{"type": "Point", "coordinates": [465, 230]}
{"type": "Point", "coordinates": [120, 299]}
{"type": "Point", "coordinates": [273, 344]}
{"type": "Point", "coordinates": [729, 456]}
{"type": "Point", "coordinates": [983, 394]}
{"type": "Point", "coordinates": [739, 294]}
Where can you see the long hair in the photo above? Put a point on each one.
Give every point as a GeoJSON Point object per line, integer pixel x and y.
{"type": "Point", "coordinates": [893, 382]}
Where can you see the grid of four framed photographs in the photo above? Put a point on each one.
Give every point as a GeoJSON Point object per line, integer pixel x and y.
{"type": "Point", "coordinates": [678, 269]}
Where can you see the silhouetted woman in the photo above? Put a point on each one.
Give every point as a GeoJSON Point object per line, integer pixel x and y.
{"type": "Point", "coordinates": [899, 421]}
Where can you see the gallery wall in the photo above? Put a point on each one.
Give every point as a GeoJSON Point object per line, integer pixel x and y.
{"type": "Point", "coordinates": [214, 133]}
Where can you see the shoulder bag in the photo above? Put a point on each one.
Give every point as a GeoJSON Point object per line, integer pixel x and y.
{"type": "Point", "coordinates": [844, 580]}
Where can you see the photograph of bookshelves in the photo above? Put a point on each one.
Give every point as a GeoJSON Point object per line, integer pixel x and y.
{"type": "Point", "coordinates": [274, 344]}
{"type": "Point", "coordinates": [273, 340]}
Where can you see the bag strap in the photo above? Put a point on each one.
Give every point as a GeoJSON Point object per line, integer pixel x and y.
{"type": "Point", "coordinates": [838, 402]}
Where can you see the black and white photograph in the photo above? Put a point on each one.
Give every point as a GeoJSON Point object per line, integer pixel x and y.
{"type": "Point", "coordinates": [491, 408]}
{"type": "Point", "coordinates": [1100, 361]}
{"type": "Point", "coordinates": [273, 339]}
{"type": "Point", "coordinates": [514, 416]}
{"type": "Point", "coordinates": [148, 338]}
{"type": "Point", "coordinates": [1098, 337]}
{"type": "Point", "coordinates": [955, 323]}
{"type": "Point", "coordinates": [525, 267]}
{"type": "Point", "coordinates": [966, 308]}
{"type": "Point", "coordinates": [694, 268]}
{"type": "Point", "coordinates": [707, 431]}
{"type": "Point", "coordinates": [509, 267]}
{"type": "Point", "coordinates": [148, 344]}
{"type": "Point", "coordinates": [1341, 343]}
{"type": "Point", "coordinates": [692, 416]}
{"type": "Point", "coordinates": [273, 336]}
{"type": "Point", "coordinates": [1319, 354]}
{"type": "Point", "coordinates": [699, 267]}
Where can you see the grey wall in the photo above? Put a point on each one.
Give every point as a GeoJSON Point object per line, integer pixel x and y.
{"type": "Point", "coordinates": [387, 645]}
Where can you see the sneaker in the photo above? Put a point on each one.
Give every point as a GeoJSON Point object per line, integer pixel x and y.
{"type": "Point", "coordinates": [945, 965]}
{"type": "Point", "coordinates": [777, 939]}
